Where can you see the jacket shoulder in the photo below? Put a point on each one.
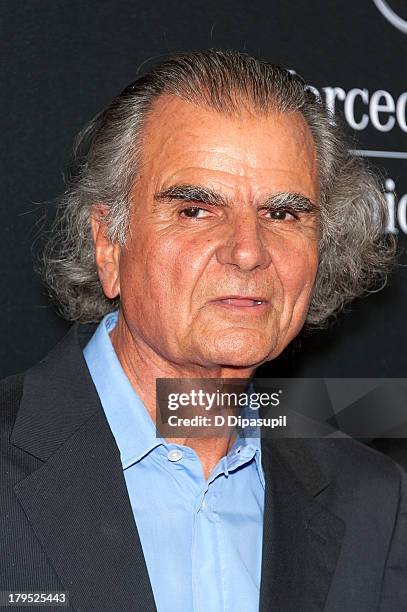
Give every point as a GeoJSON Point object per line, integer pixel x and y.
{"type": "Point", "coordinates": [359, 470]}
{"type": "Point", "coordinates": [352, 456]}
{"type": "Point", "coordinates": [396, 448]}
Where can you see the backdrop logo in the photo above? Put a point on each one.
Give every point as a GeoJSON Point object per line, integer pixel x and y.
{"type": "Point", "coordinates": [391, 15]}
{"type": "Point", "coordinates": [396, 209]}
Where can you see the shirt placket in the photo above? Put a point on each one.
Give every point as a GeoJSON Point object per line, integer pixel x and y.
{"type": "Point", "coordinates": [209, 569]}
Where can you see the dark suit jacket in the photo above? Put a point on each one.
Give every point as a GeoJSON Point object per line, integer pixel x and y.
{"type": "Point", "coordinates": [334, 538]}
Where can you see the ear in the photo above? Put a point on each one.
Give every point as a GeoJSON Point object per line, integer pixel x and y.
{"type": "Point", "coordinates": [107, 254]}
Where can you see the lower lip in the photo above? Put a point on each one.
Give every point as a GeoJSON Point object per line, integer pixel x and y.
{"type": "Point", "coordinates": [244, 306]}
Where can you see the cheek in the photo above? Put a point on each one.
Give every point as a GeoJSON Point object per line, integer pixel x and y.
{"type": "Point", "coordinates": [164, 270]}
{"type": "Point", "coordinates": [296, 267]}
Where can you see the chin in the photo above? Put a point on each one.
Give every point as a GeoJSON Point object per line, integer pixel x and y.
{"type": "Point", "coordinates": [241, 350]}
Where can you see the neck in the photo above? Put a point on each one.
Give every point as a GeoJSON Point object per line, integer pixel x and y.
{"type": "Point", "coordinates": [143, 366]}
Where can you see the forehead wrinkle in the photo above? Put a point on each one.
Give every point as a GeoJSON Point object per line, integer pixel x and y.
{"type": "Point", "coordinates": [245, 178]}
{"type": "Point", "coordinates": [161, 122]}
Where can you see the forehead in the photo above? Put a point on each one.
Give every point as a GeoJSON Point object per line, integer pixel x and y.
{"type": "Point", "coordinates": [183, 141]}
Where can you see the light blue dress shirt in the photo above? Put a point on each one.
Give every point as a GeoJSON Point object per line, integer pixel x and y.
{"type": "Point", "coordinates": [201, 539]}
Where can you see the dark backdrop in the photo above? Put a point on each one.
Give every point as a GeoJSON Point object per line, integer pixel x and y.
{"type": "Point", "coordinates": [62, 61]}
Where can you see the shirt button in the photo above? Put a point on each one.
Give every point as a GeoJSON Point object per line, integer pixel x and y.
{"type": "Point", "coordinates": [174, 455]}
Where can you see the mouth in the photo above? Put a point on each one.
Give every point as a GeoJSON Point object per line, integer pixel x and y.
{"type": "Point", "coordinates": [243, 302]}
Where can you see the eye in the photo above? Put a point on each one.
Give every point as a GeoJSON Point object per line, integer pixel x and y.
{"type": "Point", "coordinates": [194, 212]}
{"type": "Point", "coordinates": [281, 214]}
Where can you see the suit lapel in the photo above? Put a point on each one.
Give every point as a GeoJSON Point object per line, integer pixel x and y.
{"type": "Point", "coordinates": [77, 500]}
{"type": "Point", "coordinates": [301, 539]}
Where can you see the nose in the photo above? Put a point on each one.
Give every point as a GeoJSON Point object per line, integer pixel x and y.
{"type": "Point", "coordinates": [244, 245]}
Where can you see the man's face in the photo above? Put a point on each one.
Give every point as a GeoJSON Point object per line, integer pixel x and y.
{"type": "Point", "coordinates": [219, 266]}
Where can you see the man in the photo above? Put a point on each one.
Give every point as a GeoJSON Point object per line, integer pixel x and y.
{"type": "Point", "coordinates": [215, 212]}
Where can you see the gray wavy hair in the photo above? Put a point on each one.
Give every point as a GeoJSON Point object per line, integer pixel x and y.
{"type": "Point", "coordinates": [355, 252]}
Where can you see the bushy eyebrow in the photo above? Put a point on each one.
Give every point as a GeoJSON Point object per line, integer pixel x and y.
{"type": "Point", "coordinates": [292, 200]}
{"type": "Point", "coordinates": [194, 193]}
{"type": "Point", "coordinates": [204, 195]}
